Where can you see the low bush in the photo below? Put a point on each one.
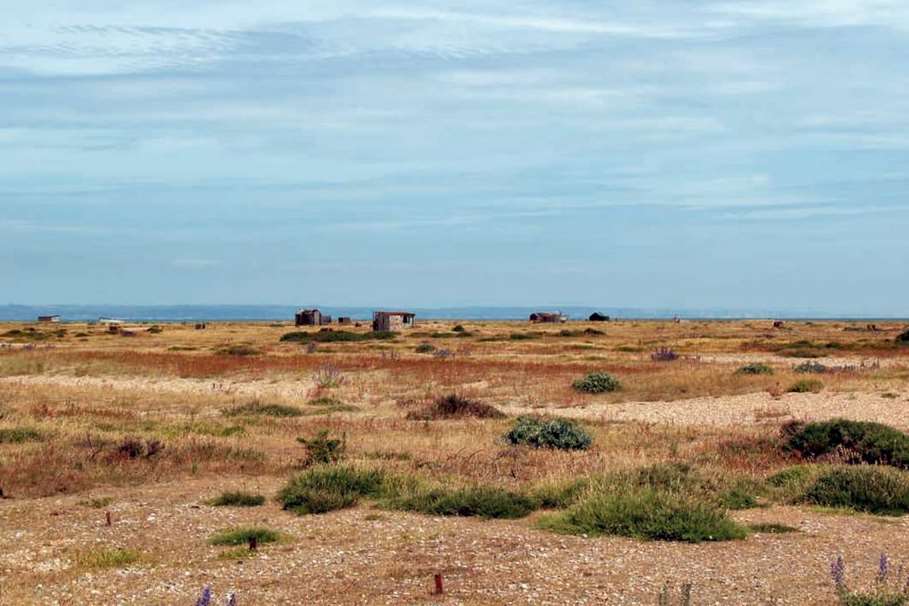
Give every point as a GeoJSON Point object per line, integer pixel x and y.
{"type": "Point", "coordinates": [454, 406]}
{"type": "Point", "coordinates": [806, 386]}
{"type": "Point", "coordinates": [755, 368]}
{"type": "Point", "coordinates": [256, 408]}
{"type": "Point", "coordinates": [851, 441]}
{"type": "Point", "coordinates": [459, 328]}
{"type": "Point", "coordinates": [597, 382]}
{"type": "Point", "coordinates": [903, 338]}
{"type": "Point", "coordinates": [561, 434]}
{"type": "Point", "coordinates": [423, 348]}
{"type": "Point", "coordinates": [878, 490]}
{"type": "Point", "coordinates": [242, 536]}
{"type": "Point", "coordinates": [237, 499]}
{"type": "Point", "coordinates": [646, 514]}
{"type": "Point", "coordinates": [815, 368]}
{"type": "Point", "coordinates": [18, 435]}
{"type": "Point", "coordinates": [479, 501]}
{"type": "Point", "coordinates": [330, 487]}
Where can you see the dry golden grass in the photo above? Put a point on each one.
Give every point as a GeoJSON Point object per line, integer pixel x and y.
{"type": "Point", "coordinates": [100, 416]}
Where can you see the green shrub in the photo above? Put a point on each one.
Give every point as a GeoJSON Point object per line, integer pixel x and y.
{"type": "Point", "coordinates": [323, 448]}
{"type": "Point", "coordinates": [806, 386]}
{"type": "Point", "coordinates": [561, 434]}
{"type": "Point", "coordinates": [256, 408]}
{"type": "Point", "coordinates": [858, 441]}
{"type": "Point", "coordinates": [18, 435]}
{"type": "Point", "coordinates": [903, 338]}
{"type": "Point", "coordinates": [646, 514]}
{"type": "Point", "coordinates": [479, 501]}
{"type": "Point", "coordinates": [458, 328]}
{"type": "Point", "coordinates": [425, 348]}
{"type": "Point", "coordinates": [237, 499]}
{"type": "Point", "coordinates": [597, 382]}
{"type": "Point", "coordinates": [810, 368]}
{"type": "Point", "coordinates": [878, 490]}
{"type": "Point", "coordinates": [755, 369]}
{"type": "Point", "coordinates": [242, 536]}
{"type": "Point", "coordinates": [330, 487]}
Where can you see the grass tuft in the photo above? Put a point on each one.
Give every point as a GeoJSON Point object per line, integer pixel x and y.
{"type": "Point", "coordinates": [99, 559]}
{"type": "Point", "coordinates": [19, 435]}
{"type": "Point", "coordinates": [237, 499]}
{"type": "Point", "coordinates": [242, 536]}
{"type": "Point", "coordinates": [256, 408]}
{"type": "Point", "coordinates": [806, 386]}
{"type": "Point", "coordinates": [646, 514]}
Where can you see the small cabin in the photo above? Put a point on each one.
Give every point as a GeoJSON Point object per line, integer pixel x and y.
{"type": "Point", "coordinates": [311, 317]}
{"type": "Point", "coordinates": [392, 321]}
{"type": "Point", "coordinates": [545, 317]}
{"type": "Point", "coordinates": [49, 319]}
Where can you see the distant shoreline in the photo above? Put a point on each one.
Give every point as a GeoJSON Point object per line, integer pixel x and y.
{"type": "Point", "coordinates": [285, 313]}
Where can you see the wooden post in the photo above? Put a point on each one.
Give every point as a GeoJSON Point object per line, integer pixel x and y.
{"type": "Point", "coordinates": [253, 543]}
{"type": "Point", "coordinates": [107, 517]}
{"type": "Point", "coordinates": [439, 589]}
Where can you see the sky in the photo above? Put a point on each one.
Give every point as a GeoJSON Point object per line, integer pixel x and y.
{"type": "Point", "coordinates": [656, 154]}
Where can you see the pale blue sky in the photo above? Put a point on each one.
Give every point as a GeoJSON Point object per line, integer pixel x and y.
{"type": "Point", "coordinates": [743, 154]}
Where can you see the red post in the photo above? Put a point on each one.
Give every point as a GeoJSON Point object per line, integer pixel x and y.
{"type": "Point", "coordinates": [108, 518]}
{"type": "Point", "coordinates": [440, 589]}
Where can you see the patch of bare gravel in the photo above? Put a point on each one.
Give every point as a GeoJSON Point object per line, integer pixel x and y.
{"type": "Point", "coordinates": [748, 409]}
{"type": "Point", "coordinates": [365, 556]}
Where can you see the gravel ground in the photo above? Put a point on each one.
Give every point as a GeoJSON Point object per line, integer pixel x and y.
{"type": "Point", "coordinates": [365, 556]}
{"type": "Point", "coordinates": [753, 408]}
{"type": "Point", "coordinates": [758, 407]}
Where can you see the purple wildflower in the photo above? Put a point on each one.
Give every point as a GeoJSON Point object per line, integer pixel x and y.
{"type": "Point", "coordinates": [838, 573]}
{"type": "Point", "coordinates": [205, 598]}
{"type": "Point", "coordinates": [883, 568]}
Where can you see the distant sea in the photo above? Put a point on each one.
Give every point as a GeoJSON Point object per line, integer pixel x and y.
{"type": "Point", "coordinates": [266, 313]}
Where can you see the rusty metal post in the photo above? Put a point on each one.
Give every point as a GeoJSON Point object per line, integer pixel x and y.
{"type": "Point", "coordinates": [440, 588]}
{"type": "Point", "coordinates": [253, 543]}
{"type": "Point", "coordinates": [108, 519]}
